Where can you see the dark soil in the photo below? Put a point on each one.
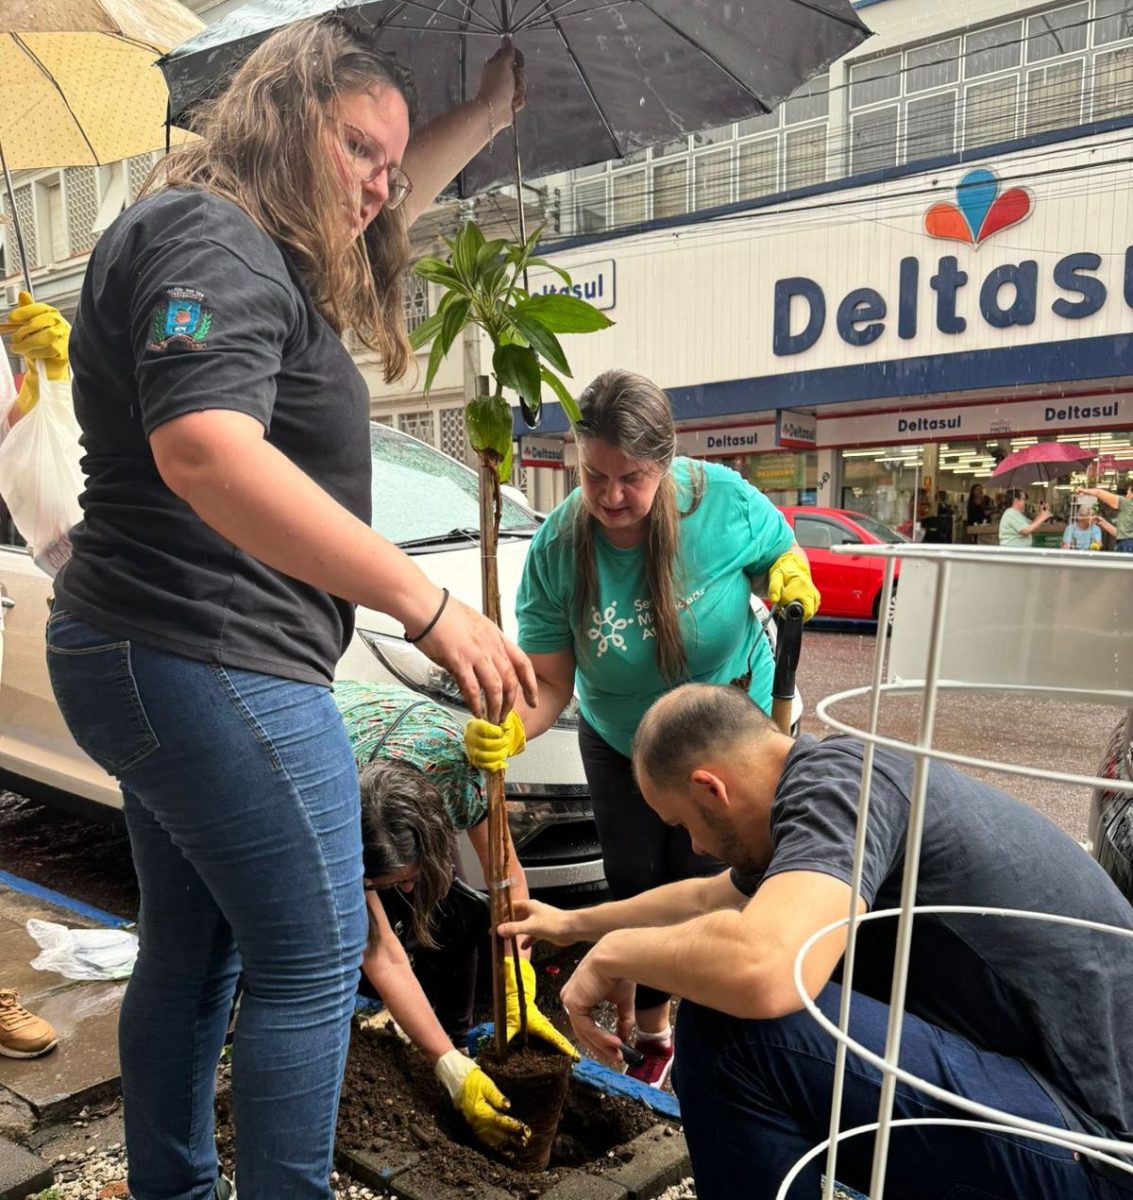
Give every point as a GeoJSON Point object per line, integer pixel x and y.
{"type": "Point", "coordinates": [86, 860]}
{"type": "Point", "coordinates": [535, 1080]}
{"type": "Point", "coordinates": [391, 1096]}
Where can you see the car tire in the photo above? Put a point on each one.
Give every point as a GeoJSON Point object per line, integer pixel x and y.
{"type": "Point", "coordinates": [892, 609]}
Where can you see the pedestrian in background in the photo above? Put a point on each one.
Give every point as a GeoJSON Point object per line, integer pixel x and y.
{"type": "Point", "coordinates": [639, 580]}
{"type": "Point", "coordinates": [1014, 528]}
{"type": "Point", "coordinates": [1123, 522]}
{"type": "Point", "coordinates": [226, 540]}
{"type": "Point", "coordinates": [979, 505]}
{"type": "Point", "coordinates": [1085, 531]}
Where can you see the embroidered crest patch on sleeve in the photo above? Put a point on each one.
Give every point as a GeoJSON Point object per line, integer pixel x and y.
{"type": "Point", "coordinates": [180, 317]}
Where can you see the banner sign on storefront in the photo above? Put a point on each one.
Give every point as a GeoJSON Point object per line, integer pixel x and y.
{"type": "Point", "coordinates": [777, 472]}
{"type": "Point", "coordinates": [541, 452]}
{"type": "Point", "coordinates": [965, 422]}
{"type": "Point", "coordinates": [714, 443]}
{"type": "Point", "coordinates": [594, 282]}
{"type": "Point", "coordinates": [795, 430]}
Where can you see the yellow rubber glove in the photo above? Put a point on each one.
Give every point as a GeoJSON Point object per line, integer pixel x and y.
{"type": "Point", "coordinates": [479, 1100]}
{"type": "Point", "coordinates": [40, 335]}
{"type": "Point", "coordinates": [490, 746]}
{"type": "Point", "coordinates": [789, 579]}
{"type": "Point", "coordinates": [537, 1024]}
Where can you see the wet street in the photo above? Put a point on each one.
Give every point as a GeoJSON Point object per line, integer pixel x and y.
{"type": "Point", "coordinates": [90, 861]}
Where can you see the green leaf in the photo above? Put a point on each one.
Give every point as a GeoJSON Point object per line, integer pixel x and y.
{"type": "Point", "coordinates": [453, 321]}
{"type": "Point", "coordinates": [489, 251]}
{"type": "Point", "coordinates": [436, 357]}
{"type": "Point", "coordinates": [504, 468]}
{"type": "Point", "coordinates": [488, 422]}
{"type": "Point", "coordinates": [517, 367]}
{"type": "Point", "coordinates": [562, 314]}
{"type": "Point", "coordinates": [464, 255]}
{"type": "Point", "coordinates": [542, 341]}
{"type": "Point", "coordinates": [427, 330]}
{"type": "Point", "coordinates": [435, 271]}
{"type": "Point", "coordinates": [543, 264]}
{"type": "Point", "coordinates": [570, 405]}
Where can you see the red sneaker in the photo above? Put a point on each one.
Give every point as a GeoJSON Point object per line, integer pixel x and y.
{"type": "Point", "coordinates": [657, 1065]}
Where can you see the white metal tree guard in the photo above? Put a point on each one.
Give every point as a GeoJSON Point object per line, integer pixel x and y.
{"type": "Point", "coordinates": [1063, 628]}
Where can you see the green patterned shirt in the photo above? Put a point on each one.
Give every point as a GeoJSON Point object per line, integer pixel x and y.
{"type": "Point", "coordinates": [390, 720]}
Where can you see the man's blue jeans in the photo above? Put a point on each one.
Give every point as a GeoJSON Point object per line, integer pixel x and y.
{"type": "Point", "coordinates": [755, 1097]}
{"type": "Point", "coordinates": [1124, 546]}
{"type": "Point", "coordinates": [241, 798]}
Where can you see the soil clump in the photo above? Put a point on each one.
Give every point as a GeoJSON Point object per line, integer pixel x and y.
{"type": "Point", "coordinates": [391, 1097]}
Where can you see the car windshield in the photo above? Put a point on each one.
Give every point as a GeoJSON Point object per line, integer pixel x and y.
{"type": "Point", "coordinates": [420, 493]}
{"type": "Point", "coordinates": [879, 529]}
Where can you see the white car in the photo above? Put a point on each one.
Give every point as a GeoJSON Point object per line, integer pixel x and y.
{"type": "Point", "coordinates": [427, 503]}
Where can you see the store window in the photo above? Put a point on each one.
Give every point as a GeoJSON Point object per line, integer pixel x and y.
{"type": "Point", "coordinates": [874, 139]}
{"type": "Point", "coordinates": [785, 478]}
{"type": "Point", "coordinates": [630, 198]}
{"type": "Point", "coordinates": [1052, 34]}
{"type": "Point", "coordinates": [990, 111]}
{"type": "Point", "coordinates": [590, 207]}
{"type": "Point", "coordinates": [804, 156]}
{"type": "Point", "coordinates": [932, 66]}
{"type": "Point", "coordinates": [1113, 22]}
{"type": "Point", "coordinates": [759, 168]}
{"type": "Point", "coordinates": [883, 482]}
{"type": "Point", "coordinates": [1113, 84]}
{"type": "Point", "coordinates": [1054, 96]}
{"type": "Point", "coordinates": [930, 125]}
{"type": "Point", "coordinates": [670, 189]}
{"type": "Point", "coordinates": [991, 50]}
{"type": "Point", "coordinates": [713, 179]}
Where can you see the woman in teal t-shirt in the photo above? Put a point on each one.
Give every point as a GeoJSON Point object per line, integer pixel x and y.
{"type": "Point", "coordinates": [641, 580]}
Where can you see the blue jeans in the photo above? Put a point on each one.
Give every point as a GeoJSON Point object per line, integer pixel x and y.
{"type": "Point", "coordinates": [241, 799]}
{"type": "Point", "coordinates": [1124, 546]}
{"type": "Point", "coordinates": [756, 1095]}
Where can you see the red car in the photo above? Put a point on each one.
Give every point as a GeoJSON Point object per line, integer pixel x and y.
{"type": "Point", "coordinates": [850, 584]}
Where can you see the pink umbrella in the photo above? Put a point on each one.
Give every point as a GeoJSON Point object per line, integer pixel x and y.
{"type": "Point", "coordinates": [1043, 462]}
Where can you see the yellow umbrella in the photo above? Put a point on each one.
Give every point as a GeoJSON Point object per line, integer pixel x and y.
{"type": "Point", "coordinates": [78, 85]}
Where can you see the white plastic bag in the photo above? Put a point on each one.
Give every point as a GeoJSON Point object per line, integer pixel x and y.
{"type": "Point", "coordinates": [83, 953]}
{"type": "Point", "coordinates": [40, 478]}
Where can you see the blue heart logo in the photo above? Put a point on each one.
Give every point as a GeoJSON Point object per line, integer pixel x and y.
{"type": "Point", "coordinates": [975, 196]}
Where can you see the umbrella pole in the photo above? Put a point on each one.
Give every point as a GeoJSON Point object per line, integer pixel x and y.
{"type": "Point", "coordinates": [518, 159]}
{"type": "Point", "coordinates": [16, 220]}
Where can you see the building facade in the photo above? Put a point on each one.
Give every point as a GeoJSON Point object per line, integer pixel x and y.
{"type": "Point", "coordinates": [866, 299]}
{"type": "Point", "coordinates": [919, 262]}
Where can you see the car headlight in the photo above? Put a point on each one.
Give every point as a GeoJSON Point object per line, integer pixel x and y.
{"type": "Point", "coordinates": [411, 668]}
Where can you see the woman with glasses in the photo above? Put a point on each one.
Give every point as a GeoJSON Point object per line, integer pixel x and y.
{"type": "Point", "coordinates": [226, 539]}
{"type": "Point", "coordinates": [419, 791]}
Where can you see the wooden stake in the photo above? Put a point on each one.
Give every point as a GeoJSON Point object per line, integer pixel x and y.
{"type": "Point", "coordinates": [499, 868]}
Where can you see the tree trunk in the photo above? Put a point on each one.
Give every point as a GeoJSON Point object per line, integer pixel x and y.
{"type": "Point", "coordinates": [499, 868]}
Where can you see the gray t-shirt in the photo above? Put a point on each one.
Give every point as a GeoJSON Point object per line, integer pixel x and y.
{"type": "Point", "coordinates": [187, 305]}
{"type": "Point", "coordinates": [1054, 996]}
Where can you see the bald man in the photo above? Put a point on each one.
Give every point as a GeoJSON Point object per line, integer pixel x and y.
{"type": "Point", "coordinates": [1026, 1016]}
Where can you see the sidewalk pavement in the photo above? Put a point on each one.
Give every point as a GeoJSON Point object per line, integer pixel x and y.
{"type": "Point", "coordinates": [83, 1067]}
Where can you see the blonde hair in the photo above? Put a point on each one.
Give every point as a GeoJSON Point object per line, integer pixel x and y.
{"type": "Point", "coordinates": [262, 146]}
{"type": "Point", "coordinates": [632, 414]}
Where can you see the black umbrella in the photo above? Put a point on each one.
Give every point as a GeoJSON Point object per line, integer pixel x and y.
{"type": "Point", "coordinates": [605, 77]}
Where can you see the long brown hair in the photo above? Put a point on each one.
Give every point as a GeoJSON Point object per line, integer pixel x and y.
{"type": "Point", "coordinates": [263, 146]}
{"type": "Point", "coordinates": [405, 824]}
{"type": "Point", "coordinates": [632, 414]}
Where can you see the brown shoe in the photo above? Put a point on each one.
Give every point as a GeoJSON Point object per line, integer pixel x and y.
{"type": "Point", "coordinates": [22, 1034]}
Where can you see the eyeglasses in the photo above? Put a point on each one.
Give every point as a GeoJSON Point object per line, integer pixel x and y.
{"type": "Point", "coordinates": [370, 160]}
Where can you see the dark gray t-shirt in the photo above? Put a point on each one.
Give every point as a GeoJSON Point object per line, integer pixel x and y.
{"type": "Point", "coordinates": [187, 305]}
{"type": "Point", "coordinates": [1055, 996]}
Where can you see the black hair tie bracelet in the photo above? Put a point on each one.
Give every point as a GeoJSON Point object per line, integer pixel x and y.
{"type": "Point", "coordinates": [429, 628]}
